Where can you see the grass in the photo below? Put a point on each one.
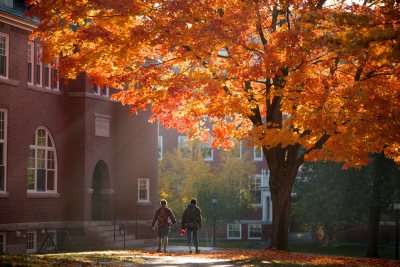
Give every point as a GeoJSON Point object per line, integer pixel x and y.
{"type": "Point", "coordinates": [340, 249]}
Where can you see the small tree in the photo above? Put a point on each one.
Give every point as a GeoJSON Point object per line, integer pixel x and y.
{"type": "Point", "coordinates": [182, 177]}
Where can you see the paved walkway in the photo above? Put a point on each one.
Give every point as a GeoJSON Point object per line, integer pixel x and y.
{"type": "Point", "coordinates": [168, 260]}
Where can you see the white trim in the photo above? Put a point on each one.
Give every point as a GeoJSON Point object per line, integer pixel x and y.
{"type": "Point", "coordinates": [31, 57]}
{"type": "Point", "coordinates": [7, 55]}
{"type": "Point", "coordinates": [52, 69]}
{"type": "Point", "coordinates": [248, 231]}
{"type": "Point", "coordinates": [31, 250]}
{"type": "Point", "coordinates": [4, 141]}
{"type": "Point", "coordinates": [17, 22]}
{"type": "Point", "coordinates": [4, 240]}
{"type": "Point", "coordinates": [256, 157]}
{"type": "Point", "coordinates": [183, 142]}
{"type": "Point", "coordinates": [147, 188]}
{"type": "Point", "coordinates": [240, 149]}
{"type": "Point", "coordinates": [46, 148]}
{"type": "Point", "coordinates": [207, 145]}
{"type": "Point", "coordinates": [98, 90]}
{"type": "Point", "coordinates": [38, 62]}
{"type": "Point", "coordinates": [256, 188]}
{"type": "Point", "coordinates": [227, 231]}
{"type": "Point", "coordinates": [48, 71]}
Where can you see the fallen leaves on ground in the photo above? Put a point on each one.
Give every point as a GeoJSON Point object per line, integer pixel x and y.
{"type": "Point", "coordinates": [277, 256]}
{"type": "Point", "coordinates": [239, 257]}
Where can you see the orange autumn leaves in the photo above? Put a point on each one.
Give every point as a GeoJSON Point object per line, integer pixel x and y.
{"type": "Point", "coordinates": [209, 67]}
{"type": "Point", "coordinates": [281, 257]}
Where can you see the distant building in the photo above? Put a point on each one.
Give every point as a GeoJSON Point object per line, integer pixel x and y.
{"type": "Point", "coordinates": [71, 160]}
{"type": "Point", "coordinates": [257, 222]}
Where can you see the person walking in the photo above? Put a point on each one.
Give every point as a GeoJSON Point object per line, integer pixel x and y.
{"type": "Point", "coordinates": [164, 217]}
{"type": "Point", "coordinates": [191, 222]}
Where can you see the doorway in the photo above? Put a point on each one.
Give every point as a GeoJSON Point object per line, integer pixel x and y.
{"type": "Point", "coordinates": [101, 203]}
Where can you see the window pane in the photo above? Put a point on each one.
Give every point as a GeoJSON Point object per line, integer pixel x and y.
{"type": "Point", "coordinates": [54, 79]}
{"type": "Point", "coordinates": [1, 178]}
{"type": "Point", "coordinates": [29, 72]}
{"type": "Point", "coordinates": [46, 75]}
{"type": "Point", "coordinates": [30, 243]}
{"type": "Point", "coordinates": [41, 163]}
{"type": "Point", "coordinates": [2, 125]}
{"type": "Point", "coordinates": [2, 237]}
{"type": "Point", "coordinates": [41, 177]}
{"type": "Point", "coordinates": [41, 137]}
{"type": "Point", "coordinates": [255, 230]}
{"type": "Point", "coordinates": [3, 56]}
{"type": "Point", "coordinates": [38, 70]}
{"type": "Point", "coordinates": [3, 65]}
{"type": "Point", "coordinates": [50, 160]}
{"type": "Point", "coordinates": [30, 179]}
{"type": "Point", "coordinates": [50, 180]}
{"type": "Point", "coordinates": [32, 159]}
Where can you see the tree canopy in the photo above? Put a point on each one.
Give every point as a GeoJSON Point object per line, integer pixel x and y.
{"type": "Point", "coordinates": [305, 80]}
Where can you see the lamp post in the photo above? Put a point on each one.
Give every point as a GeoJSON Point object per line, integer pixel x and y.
{"type": "Point", "coordinates": [214, 200]}
{"type": "Point", "coordinates": [396, 207]}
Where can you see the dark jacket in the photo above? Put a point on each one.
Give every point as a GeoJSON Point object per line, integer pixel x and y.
{"type": "Point", "coordinates": [197, 212]}
{"type": "Point", "coordinates": [161, 216]}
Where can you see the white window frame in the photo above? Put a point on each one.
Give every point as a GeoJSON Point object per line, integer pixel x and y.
{"type": "Point", "coordinates": [31, 59]}
{"type": "Point", "coordinates": [183, 142]}
{"type": "Point", "coordinates": [257, 189]}
{"type": "Point", "coordinates": [46, 148]}
{"type": "Point", "coordinates": [52, 77]}
{"type": "Point", "coordinates": [4, 142]}
{"type": "Point", "coordinates": [28, 241]}
{"type": "Point", "coordinates": [240, 149]}
{"type": "Point", "coordinates": [38, 62]}
{"type": "Point", "coordinates": [249, 226]}
{"type": "Point", "coordinates": [147, 187]}
{"type": "Point", "coordinates": [98, 90]}
{"type": "Point", "coordinates": [7, 54]}
{"type": "Point", "coordinates": [46, 70]}
{"type": "Point", "coordinates": [160, 147]}
{"type": "Point", "coordinates": [258, 154]}
{"type": "Point", "coordinates": [207, 145]}
{"type": "Point", "coordinates": [3, 238]}
{"type": "Point", "coordinates": [228, 231]}
{"type": "Point", "coordinates": [50, 247]}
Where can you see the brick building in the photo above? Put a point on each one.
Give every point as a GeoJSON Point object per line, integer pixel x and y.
{"type": "Point", "coordinates": [70, 157]}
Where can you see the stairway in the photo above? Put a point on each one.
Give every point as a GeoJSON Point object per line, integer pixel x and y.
{"type": "Point", "coordinates": [101, 235]}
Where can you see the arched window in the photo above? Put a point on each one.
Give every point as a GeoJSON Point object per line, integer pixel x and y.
{"type": "Point", "coordinates": [42, 163]}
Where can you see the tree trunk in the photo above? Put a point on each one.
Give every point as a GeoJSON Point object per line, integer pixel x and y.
{"type": "Point", "coordinates": [373, 229]}
{"type": "Point", "coordinates": [375, 207]}
{"type": "Point", "coordinates": [281, 185]}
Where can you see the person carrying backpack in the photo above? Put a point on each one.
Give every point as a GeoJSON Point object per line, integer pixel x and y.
{"type": "Point", "coordinates": [191, 222]}
{"type": "Point", "coordinates": [164, 218]}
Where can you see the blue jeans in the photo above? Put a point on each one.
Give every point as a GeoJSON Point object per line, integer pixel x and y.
{"type": "Point", "coordinates": [189, 232]}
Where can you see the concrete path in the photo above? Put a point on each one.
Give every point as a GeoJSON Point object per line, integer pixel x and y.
{"type": "Point", "coordinates": [168, 260]}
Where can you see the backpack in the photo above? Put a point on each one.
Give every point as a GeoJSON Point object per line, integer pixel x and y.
{"type": "Point", "coordinates": [191, 217]}
{"type": "Point", "coordinates": [163, 217]}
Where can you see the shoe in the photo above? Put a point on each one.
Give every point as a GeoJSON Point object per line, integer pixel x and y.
{"type": "Point", "coordinates": [158, 250]}
{"type": "Point", "coordinates": [197, 251]}
{"type": "Point", "coordinates": [165, 251]}
{"type": "Point", "coordinates": [190, 252]}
